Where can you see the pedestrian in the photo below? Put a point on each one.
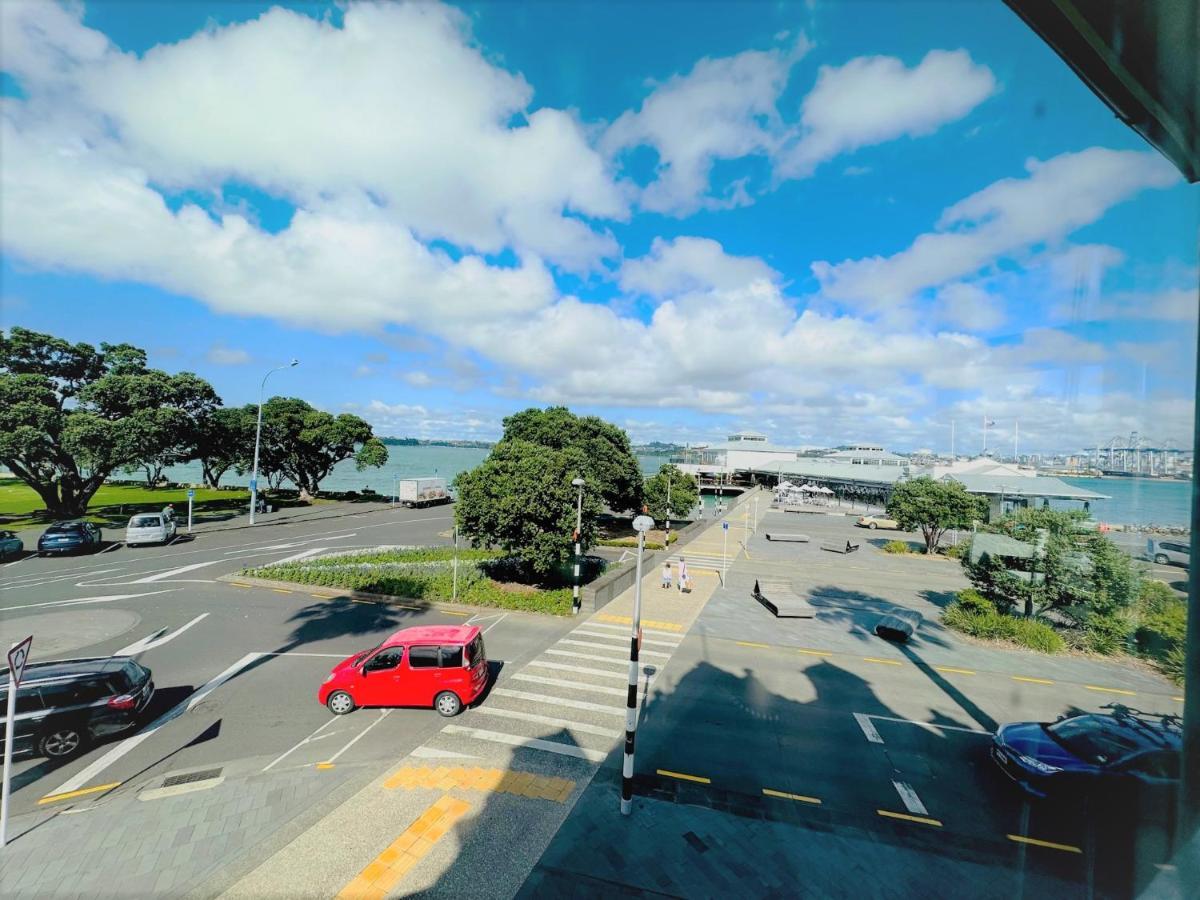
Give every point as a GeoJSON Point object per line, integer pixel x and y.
{"type": "Point", "coordinates": [666, 576]}
{"type": "Point", "coordinates": [169, 511]}
{"type": "Point", "coordinates": [685, 580]}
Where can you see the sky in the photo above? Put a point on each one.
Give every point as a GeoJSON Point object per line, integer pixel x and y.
{"type": "Point", "coordinates": [828, 222]}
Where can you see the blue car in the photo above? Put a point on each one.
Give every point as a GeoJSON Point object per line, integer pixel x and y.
{"type": "Point", "coordinates": [1094, 754]}
{"type": "Point", "coordinates": [68, 537]}
{"type": "Point", "coordinates": [10, 545]}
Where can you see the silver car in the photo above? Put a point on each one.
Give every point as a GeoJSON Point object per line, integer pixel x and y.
{"type": "Point", "coordinates": [1169, 552]}
{"type": "Point", "coordinates": [149, 528]}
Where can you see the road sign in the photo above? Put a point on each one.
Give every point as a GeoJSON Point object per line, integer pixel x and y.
{"type": "Point", "coordinates": [191, 493]}
{"type": "Point", "coordinates": [724, 526]}
{"type": "Point", "coordinates": [17, 657]}
{"type": "Point", "coordinates": [253, 484]}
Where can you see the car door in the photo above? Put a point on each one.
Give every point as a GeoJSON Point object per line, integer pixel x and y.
{"type": "Point", "coordinates": [30, 715]}
{"type": "Point", "coordinates": [1153, 777]}
{"type": "Point", "coordinates": [424, 675]}
{"type": "Point", "coordinates": [382, 679]}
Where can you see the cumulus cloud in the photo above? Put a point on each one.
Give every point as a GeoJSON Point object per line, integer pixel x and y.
{"type": "Point", "coordinates": [969, 306]}
{"type": "Point", "coordinates": [220, 355]}
{"type": "Point", "coordinates": [690, 264]}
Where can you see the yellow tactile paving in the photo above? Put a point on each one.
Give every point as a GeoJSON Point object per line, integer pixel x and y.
{"type": "Point", "coordinates": [646, 623]}
{"type": "Point", "coordinates": [503, 781]}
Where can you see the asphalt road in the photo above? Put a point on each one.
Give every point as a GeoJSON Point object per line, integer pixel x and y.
{"type": "Point", "coordinates": [236, 669]}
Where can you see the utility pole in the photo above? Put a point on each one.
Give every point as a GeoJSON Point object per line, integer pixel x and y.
{"type": "Point", "coordinates": [641, 525]}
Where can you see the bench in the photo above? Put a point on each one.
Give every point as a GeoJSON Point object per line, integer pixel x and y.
{"type": "Point", "coordinates": [782, 602]}
{"type": "Point", "coordinates": [835, 547]}
{"type": "Point", "coordinates": [898, 625]}
{"type": "Point", "coordinates": [795, 538]}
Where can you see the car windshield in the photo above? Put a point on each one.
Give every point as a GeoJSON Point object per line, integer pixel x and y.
{"type": "Point", "coordinates": [145, 522]}
{"type": "Point", "coordinates": [1099, 740]}
{"type": "Point", "coordinates": [68, 528]}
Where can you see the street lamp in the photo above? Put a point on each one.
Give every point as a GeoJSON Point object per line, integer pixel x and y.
{"type": "Point", "coordinates": [667, 540]}
{"type": "Point", "coordinates": [641, 525]}
{"type": "Point", "coordinates": [258, 437]}
{"type": "Point", "coordinates": [576, 603]}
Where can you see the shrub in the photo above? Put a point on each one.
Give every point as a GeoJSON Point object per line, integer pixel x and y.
{"type": "Point", "coordinates": [957, 551]}
{"type": "Point", "coordinates": [896, 547]}
{"type": "Point", "coordinates": [1156, 596]}
{"type": "Point", "coordinates": [1172, 663]}
{"type": "Point", "coordinates": [973, 601]}
{"type": "Point", "coordinates": [975, 615]}
{"type": "Point", "coordinates": [1037, 636]}
{"type": "Point", "coordinates": [1162, 631]}
{"type": "Point", "coordinates": [1107, 633]}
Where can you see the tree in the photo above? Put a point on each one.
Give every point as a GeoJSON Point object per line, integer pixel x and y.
{"type": "Point", "coordinates": [933, 507]}
{"type": "Point", "coordinates": [685, 492]}
{"type": "Point", "coordinates": [521, 500]}
{"type": "Point", "coordinates": [607, 462]}
{"type": "Point", "coordinates": [304, 444]}
{"type": "Point", "coordinates": [71, 415]}
{"type": "Point", "coordinates": [224, 440]}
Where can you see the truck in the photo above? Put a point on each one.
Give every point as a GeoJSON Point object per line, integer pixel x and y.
{"type": "Point", "coordinates": [416, 492]}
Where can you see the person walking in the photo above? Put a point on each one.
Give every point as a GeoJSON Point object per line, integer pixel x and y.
{"type": "Point", "coordinates": [685, 580]}
{"type": "Point", "coordinates": [666, 576]}
{"type": "Point", "coordinates": [169, 511]}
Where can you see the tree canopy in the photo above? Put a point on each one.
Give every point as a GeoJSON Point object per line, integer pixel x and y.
{"type": "Point", "coordinates": [303, 443]}
{"type": "Point", "coordinates": [684, 492]}
{"type": "Point", "coordinates": [224, 440]}
{"type": "Point", "coordinates": [933, 507]}
{"type": "Point", "coordinates": [70, 414]}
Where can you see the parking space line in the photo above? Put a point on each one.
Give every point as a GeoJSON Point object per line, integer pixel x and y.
{"type": "Point", "coordinates": [784, 795]}
{"type": "Point", "coordinates": [923, 820]}
{"type": "Point", "coordinates": [868, 728]}
{"type": "Point", "coordinates": [910, 799]}
{"type": "Point", "coordinates": [354, 740]}
{"type": "Point", "coordinates": [955, 670]}
{"type": "Point", "coordinates": [68, 795]}
{"type": "Point", "coordinates": [882, 662]}
{"type": "Point", "coordinates": [286, 753]}
{"type": "Point", "coordinates": [931, 726]}
{"type": "Point", "coordinates": [682, 776]}
{"type": "Point", "coordinates": [1105, 690]}
{"type": "Point", "coordinates": [1022, 839]}
{"type": "Point", "coordinates": [1031, 680]}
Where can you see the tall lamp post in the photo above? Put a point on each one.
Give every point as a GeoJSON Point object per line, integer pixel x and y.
{"type": "Point", "coordinates": [667, 539]}
{"type": "Point", "coordinates": [258, 437]}
{"type": "Point", "coordinates": [576, 603]}
{"type": "Point", "coordinates": [641, 525]}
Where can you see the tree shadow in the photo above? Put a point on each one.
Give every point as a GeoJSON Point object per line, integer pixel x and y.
{"type": "Point", "coordinates": [861, 612]}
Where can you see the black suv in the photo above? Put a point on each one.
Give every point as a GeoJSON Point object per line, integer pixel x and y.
{"type": "Point", "coordinates": [64, 706]}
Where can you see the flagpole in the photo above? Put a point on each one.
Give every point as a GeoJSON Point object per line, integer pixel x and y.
{"type": "Point", "coordinates": [952, 457]}
{"type": "Point", "coordinates": [1016, 437]}
{"type": "Point", "coordinates": [985, 435]}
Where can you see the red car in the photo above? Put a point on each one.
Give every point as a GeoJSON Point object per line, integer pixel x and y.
{"type": "Point", "coordinates": [443, 666]}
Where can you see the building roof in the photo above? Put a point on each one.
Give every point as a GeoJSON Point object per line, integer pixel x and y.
{"type": "Point", "coordinates": [1037, 486]}
{"type": "Point", "coordinates": [866, 453]}
{"type": "Point", "coordinates": [751, 447]}
{"type": "Point", "coordinates": [984, 543]}
{"type": "Point", "coordinates": [828, 470]}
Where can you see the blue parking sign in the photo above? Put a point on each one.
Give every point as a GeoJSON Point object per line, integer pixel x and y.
{"type": "Point", "coordinates": [191, 493]}
{"type": "Point", "coordinates": [724, 526]}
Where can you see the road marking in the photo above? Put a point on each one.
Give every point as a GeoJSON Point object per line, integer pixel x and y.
{"type": "Point", "coordinates": [161, 576]}
{"type": "Point", "coordinates": [684, 777]}
{"type": "Point", "coordinates": [558, 701]}
{"type": "Point", "coordinates": [280, 591]}
{"type": "Point", "coordinates": [882, 662]}
{"type": "Point", "coordinates": [1104, 690]}
{"type": "Point", "coordinates": [243, 584]}
{"type": "Point", "coordinates": [304, 653]}
{"type": "Point", "coordinates": [625, 631]}
{"type": "Point", "coordinates": [575, 654]}
{"type": "Point", "coordinates": [910, 799]}
{"type": "Point", "coordinates": [868, 728]}
{"type": "Point", "coordinates": [784, 795]}
{"type": "Point", "coordinates": [919, 819]}
{"type": "Point", "coordinates": [1031, 680]}
{"type": "Point", "coordinates": [753, 644]}
{"type": "Point", "coordinates": [156, 639]}
{"type": "Point", "coordinates": [324, 765]}
{"type": "Point", "coordinates": [927, 725]}
{"type": "Point", "coordinates": [544, 720]}
{"type": "Point", "coordinates": [84, 600]}
{"type": "Point", "coordinates": [955, 670]}
{"type": "Point", "coordinates": [813, 652]}
{"type": "Point", "coordinates": [127, 745]}
{"type": "Point", "coordinates": [514, 740]}
{"type": "Point", "coordinates": [582, 670]}
{"type": "Point", "coordinates": [451, 612]}
{"type": "Point", "coordinates": [1066, 848]}
{"type": "Point", "coordinates": [576, 685]}
{"type": "Point", "coordinates": [303, 554]}
{"type": "Point", "coordinates": [68, 795]}
{"type": "Point", "coordinates": [298, 745]}
{"type": "Point", "coordinates": [112, 546]}
{"type": "Point", "coordinates": [625, 639]}
{"type": "Point", "coordinates": [358, 737]}
{"type": "Point", "coordinates": [614, 648]}
{"type": "Point", "coordinates": [1177, 699]}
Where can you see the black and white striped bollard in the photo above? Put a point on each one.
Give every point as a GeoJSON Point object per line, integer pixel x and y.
{"type": "Point", "coordinates": [641, 525]}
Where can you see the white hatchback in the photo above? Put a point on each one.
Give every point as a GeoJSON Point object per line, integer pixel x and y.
{"type": "Point", "coordinates": [149, 528]}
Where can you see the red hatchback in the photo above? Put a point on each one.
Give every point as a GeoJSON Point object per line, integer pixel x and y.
{"type": "Point", "coordinates": [443, 666]}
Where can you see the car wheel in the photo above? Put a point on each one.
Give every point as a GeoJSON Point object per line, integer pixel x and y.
{"type": "Point", "coordinates": [1161, 559]}
{"type": "Point", "coordinates": [448, 704]}
{"type": "Point", "coordinates": [61, 743]}
{"type": "Point", "coordinates": [872, 525]}
{"type": "Point", "coordinates": [340, 703]}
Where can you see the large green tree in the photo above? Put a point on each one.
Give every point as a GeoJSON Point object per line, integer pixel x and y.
{"type": "Point", "coordinates": [933, 507]}
{"type": "Point", "coordinates": [607, 462]}
{"type": "Point", "coordinates": [303, 443]}
{"type": "Point", "coordinates": [71, 414]}
{"type": "Point", "coordinates": [521, 500]}
{"type": "Point", "coordinates": [683, 491]}
{"type": "Point", "coordinates": [224, 440]}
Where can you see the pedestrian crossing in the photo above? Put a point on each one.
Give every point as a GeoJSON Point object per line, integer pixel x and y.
{"type": "Point", "coordinates": [707, 561]}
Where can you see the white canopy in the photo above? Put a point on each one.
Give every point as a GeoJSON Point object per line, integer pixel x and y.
{"type": "Point", "coordinates": [822, 490]}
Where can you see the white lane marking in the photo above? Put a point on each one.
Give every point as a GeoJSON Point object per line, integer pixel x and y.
{"type": "Point", "coordinates": [162, 576]}
{"type": "Point", "coordinates": [82, 600]}
{"type": "Point", "coordinates": [383, 715]}
{"type": "Point", "coordinates": [911, 801]}
{"type": "Point", "coordinates": [928, 726]}
{"type": "Point", "coordinates": [258, 551]}
{"type": "Point", "coordinates": [625, 629]}
{"type": "Point", "coordinates": [296, 746]}
{"type": "Point", "coordinates": [301, 653]}
{"type": "Point", "coordinates": [113, 546]}
{"type": "Point", "coordinates": [303, 554]}
{"type": "Point", "coordinates": [623, 650]}
{"type": "Point", "coordinates": [87, 774]}
{"type": "Point", "coordinates": [545, 720]}
{"type": "Point", "coordinates": [513, 740]}
{"type": "Point", "coordinates": [625, 640]}
{"type": "Point", "coordinates": [15, 561]}
{"type": "Point", "coordinates": [868, 728]}
{"type": "Point", "coordinates": [575, 654]}
{"type": "Point", "coordinates": [574, 685]}
{"type": "Point", "coordinates": [157, 639]}
{"type": "Point", "coordinates": [581, 670]}
{"type": "Point", "coordinates": [558, 701]}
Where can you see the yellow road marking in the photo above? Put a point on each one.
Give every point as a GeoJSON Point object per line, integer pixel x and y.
{"type": "Point", "coordinates": [625, 620]}
{"type": "Point", "coordinates": [1021, 839]}
{"type": "Point", "coordinates": [54, 798]}
{"type": "Point", "coordinates": [882, 662]}
{"type": "Point", "coordinates": [240, 584]}
{"type": "Point", "coordinates": [1031, 680]}
{"type": "Point", "coordinates": [699, 778]}
{"type": "Point", "coordinates": [1177, 699]}
{"type": "Point", "coordinates": [953, 669]}
{"type": "Point", "coordinates": [325, 765]}
{"type": "Point", "coordinates": [1104, 690]}
{"type": "Point", "coordinates": [786, 796]}
{"type": "Point", "coordinates": [752, 644]}
{"type": "Point", "coordinates": [906, 817]}
{"type": "Point", "coordinates": [814, 652]}
{"type": "Point", "coordinates": [280, 591]}
{"type": "Point", "coordinates": [451, 612]}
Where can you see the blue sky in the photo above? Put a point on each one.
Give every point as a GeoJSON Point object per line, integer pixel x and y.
{"type": "Point", "coordinates": [826, 221]}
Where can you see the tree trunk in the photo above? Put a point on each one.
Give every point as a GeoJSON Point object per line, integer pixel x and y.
{"type": "Point", "coordinates": [1029, 607]}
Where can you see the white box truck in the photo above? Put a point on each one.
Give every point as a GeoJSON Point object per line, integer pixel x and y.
{"type": "Point", "coordinates": [413, 492]}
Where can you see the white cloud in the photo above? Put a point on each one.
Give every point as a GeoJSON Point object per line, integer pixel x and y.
{"type": "Point", "coordinates": [1011, 215]}
{"type": "Point", "coordinates": [417, 378]}
{"type": "Point", "coordinates": [688, 264]}
{"type": "Point", "coordinates": [874, 99]}
{"type": "Point", "coordinates": [970, 306]}
{"type": "Point", "coordinates": [220, 355]}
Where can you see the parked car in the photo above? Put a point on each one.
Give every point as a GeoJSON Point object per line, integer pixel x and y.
{"type": "Point", "coordinates": [150, 528]}
{"type": "Point", "coordinates": [64, 706]}
{"type": "Point", "coordinates": [443, 666]}
{"type": "Point", "coordinates": [1167, 553]}
{"type": "Point", "coordinates": [1094, 754]}
{"type": "Point", "coordinates": [874, 522]}
{"type": "Point", "coordinates": [68, 537]}
{"type": "Point", "coordinates": [10, 545]}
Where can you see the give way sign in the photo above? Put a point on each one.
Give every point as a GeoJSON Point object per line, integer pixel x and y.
{"type": "Point", "coordinates": [17, 657]}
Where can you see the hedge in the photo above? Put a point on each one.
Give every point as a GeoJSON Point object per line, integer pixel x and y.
{"type": "Point", "coordinates": [975, 615]}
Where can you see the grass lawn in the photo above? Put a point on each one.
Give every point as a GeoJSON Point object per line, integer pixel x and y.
{"type": "Point", "coordinates": [21, 502]}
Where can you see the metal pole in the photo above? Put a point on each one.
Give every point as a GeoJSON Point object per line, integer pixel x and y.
{"type": "Point", "coordinates": [667, 539]}
{"type": "Point", "coordinates": [258, 437]}
{"type": "Point", "coordinates": [724, 546]}
{"type": "Point", "coordinates": [189, 514]}
{"type": "Point", "coordinates": [9, 718]}
{"type": "Point", "coordinates": [576, 601]}
{"type": "Point", "coordinates": [454, 589]}
{"type": "Point", "coordinates": [1189, 790]}
{"type": "Point", "coordinates": [642, 524]}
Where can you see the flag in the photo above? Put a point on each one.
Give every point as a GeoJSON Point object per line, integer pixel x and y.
{"type": "Point", "coordinates": [990, 423]}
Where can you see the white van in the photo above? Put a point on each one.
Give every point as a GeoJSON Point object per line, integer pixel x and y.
{"type": "Point", "coordinates": [1168, 552]}
{"type": "Point", "coordinates": [149, 528]}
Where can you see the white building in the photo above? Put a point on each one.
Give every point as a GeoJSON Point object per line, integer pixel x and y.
{"type": "Point", "coordinates": [742, 451]}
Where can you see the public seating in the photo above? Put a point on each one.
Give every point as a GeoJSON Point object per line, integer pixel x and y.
{"type": "Point", "coordinates": [782, 602]}
{"type": "Point", "coordinates": [838, 547]}
{"type": "Point", "coordinates": [794, 538]}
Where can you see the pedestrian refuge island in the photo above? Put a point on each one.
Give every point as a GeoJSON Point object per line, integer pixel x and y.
{"type": "Point", "coordinates": [783, 603]}
{"type": "Point", "coordinates": [792, 538]}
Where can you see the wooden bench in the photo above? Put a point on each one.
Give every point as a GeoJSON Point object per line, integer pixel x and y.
{"type": "Point", "coordinates": [835, 547]}
{"type": "Point", "coordinates": [783, 603]}
{"type": "Point", "coordinates": [794, 538]}
{"type": "Point", "coordinates": [898, 625]}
